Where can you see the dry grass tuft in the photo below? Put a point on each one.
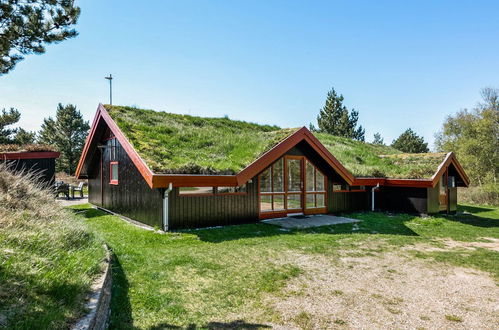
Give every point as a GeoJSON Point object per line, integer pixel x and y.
{"type": "Point", "coordinates": [48, 257]}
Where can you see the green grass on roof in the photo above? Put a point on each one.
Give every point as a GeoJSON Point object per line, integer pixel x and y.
{"type": "Point", "coordinates": [173, 143]}
{"type": "Point", "coordinates": [6, 148]}
{"type": "Point", "coordinates": [371, 160]}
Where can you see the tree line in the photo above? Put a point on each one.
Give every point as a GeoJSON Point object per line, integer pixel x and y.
{"type": "Point", "coordinates": [336, 119]}
{"type": "Point", "coordinates": [66, 132]}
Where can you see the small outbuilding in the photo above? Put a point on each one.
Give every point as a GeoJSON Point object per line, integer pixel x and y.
{"type": "Point", "coordinates": [34, 158]}
{"type": "Point", "coordinates": [177, 171]}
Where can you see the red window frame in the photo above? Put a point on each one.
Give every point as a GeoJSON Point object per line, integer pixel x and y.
{"type": "Point", "coordinates": [111, 181]}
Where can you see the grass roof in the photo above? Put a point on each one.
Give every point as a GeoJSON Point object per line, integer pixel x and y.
{"type": "Point", "coordinates": [371, 160]}
{"type": "Point", "coordinates": [173, 143]}
{"type": "Point", "coordinates": [11, 148]}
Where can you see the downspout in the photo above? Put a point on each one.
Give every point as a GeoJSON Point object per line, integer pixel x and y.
{"type": "Point", "coordinates": [166, 193]}
{"type": "Point", "coordinates": [372, 197]}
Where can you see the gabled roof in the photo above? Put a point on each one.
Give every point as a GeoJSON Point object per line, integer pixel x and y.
{"type": "Point", "coordinates": [187, 150]}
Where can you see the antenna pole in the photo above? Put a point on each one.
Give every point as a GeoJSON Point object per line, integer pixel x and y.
{"type": "Point", "coordinates": [110, 78]}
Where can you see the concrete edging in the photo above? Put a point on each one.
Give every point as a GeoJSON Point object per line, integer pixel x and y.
{"type": "Point", "coordinates": [98, 300]}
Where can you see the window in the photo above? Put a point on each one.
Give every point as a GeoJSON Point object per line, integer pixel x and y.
{"type": "Point", "coordinates": [231, 190]}
{"type": "Point", "coordinates": [196, 190]}
{"type": "Point", "coordinates": [357, 188]}
{"type": "Point", "coordinates": [113, 169]}
{"type": "Point", "coordinates": [272, 197]}
{"type": "Point", "coordinates": [315, 187]}
{"type": "Point", "coordinates": [451, 182]}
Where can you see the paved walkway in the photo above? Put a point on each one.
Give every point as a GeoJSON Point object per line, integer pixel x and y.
{"type": "Point", "coordinates": [69, 202]}
{"type": "Point", "coordinates": [297, 222]}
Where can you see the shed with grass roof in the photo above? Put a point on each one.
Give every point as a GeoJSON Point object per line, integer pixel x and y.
{"type": "Point", "coordinates": [37, 159]}
{"type": "Point", "coordinates": [177, 171]}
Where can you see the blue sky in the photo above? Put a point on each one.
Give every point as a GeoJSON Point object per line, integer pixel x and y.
{"type": "Point", "coordinates": [399, 64]}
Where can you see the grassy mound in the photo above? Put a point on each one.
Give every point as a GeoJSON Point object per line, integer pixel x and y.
{"type": "Point", "coordinates": [48, 257]}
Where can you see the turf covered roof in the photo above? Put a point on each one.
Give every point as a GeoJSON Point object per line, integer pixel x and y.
{"type": "Point", "coordinates": [12, 148]}
{"type": "Point", "coordinates": [173, 143]}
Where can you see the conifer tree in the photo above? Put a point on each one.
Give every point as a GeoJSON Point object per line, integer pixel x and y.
{"type": "Point", "coordinates": [335, 119]}
{"type": "Point", "coordinates": [409, 141]}
{"type": "Point", "coordinates": [67, 133]}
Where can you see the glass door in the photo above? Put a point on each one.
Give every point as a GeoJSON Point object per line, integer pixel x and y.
{"type": "Point", "coordinates": [294, 184]}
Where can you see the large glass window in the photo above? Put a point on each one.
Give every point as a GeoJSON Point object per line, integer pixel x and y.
{"type": "Point", "coordinates": [272, 187]}
{"type": "Point", "coordinates": [315, 187]}
{"type": "Point", "coordinates": [294, 174]}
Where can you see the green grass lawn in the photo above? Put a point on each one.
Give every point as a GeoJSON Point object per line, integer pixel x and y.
{"type": "Point", "coordinates": [194, 278]}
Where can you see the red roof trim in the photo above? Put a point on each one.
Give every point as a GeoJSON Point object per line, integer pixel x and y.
{"type": "Point", "coordinates": [134, 156]}
{"type": "Point", "coordinates": [29, 155]}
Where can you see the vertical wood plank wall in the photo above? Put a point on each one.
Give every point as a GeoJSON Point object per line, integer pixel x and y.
{"type": "Point", "coordinates": [43, 167]}
{"type": "Point", "coordinates": [215, 210]}
{"type": "Point", "coordinates": [131, 197]}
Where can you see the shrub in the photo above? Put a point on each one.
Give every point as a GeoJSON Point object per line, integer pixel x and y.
{"type": "Point", "coordinates": [487, 194]}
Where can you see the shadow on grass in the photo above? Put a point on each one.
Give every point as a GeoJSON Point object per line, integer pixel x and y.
{"type": "Point", "coordinates": [86, 211]}
{"type": "Point", "coordinates": [121, 309]}
{"type": "Point", "coordinates": [474, 219]}
{"type": "Point", "coordinates": [236, 325]}
{"type": "Point", "coordinates": [372, 223]}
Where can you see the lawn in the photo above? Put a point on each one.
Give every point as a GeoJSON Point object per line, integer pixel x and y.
{"type": "Point", "coordinates": [260, 275]}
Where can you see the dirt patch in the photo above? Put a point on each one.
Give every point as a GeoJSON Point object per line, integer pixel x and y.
{"type": "Point", "coordinates": [385, 291]}
{"type": "Point", "coordinates": [491, 244]}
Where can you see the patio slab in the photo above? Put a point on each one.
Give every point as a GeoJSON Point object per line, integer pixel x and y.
{"type": "Point", "coordinates": [308, 221]}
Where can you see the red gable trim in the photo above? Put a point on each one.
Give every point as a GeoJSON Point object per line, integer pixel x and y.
{"type": "Point", "coordinates": [134, 156]}
{"type": "Point", "coordinates": [29, 155]}
{"type": "Point", "coordinates": [273, 154]}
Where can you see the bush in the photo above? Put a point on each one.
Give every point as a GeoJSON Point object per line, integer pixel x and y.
{"type": "Point", "coordinates": [48, 257]}
{"type": "Point", "coordinates": [487, 194]}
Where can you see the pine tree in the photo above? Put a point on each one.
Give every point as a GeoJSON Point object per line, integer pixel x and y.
{"type": "Point", "coordinates": [67, 133]}
{"type": "Point", "coordinates": [409, 141]}
{"type": "Point", "coordinates": [378, 139]}
{"type": "Point", "coordinates": [26, 26]}
{"type": "Point", "coordinates": [8, 118]}
{"type": "Point", "coordinates": [335, 119]}
{"type": "Point", "coordinates": [24, 137]}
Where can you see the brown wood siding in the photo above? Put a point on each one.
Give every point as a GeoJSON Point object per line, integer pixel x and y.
{"type": "Point", "coordinates": [402, 199]}
{"type": "Point", "coordinates": [213, 210]}
{"type": "Point", "coordinates": [452, 200]}
{"type": "Point", "coordinates": [132, 196]}
{"type": "Point", "coordinates": [44, 168]}
{"type": "Point", "coordinates": [432, 200]}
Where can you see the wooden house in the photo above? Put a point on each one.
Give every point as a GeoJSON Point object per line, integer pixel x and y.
{"type": "Point", "coordinates": [177, 171]}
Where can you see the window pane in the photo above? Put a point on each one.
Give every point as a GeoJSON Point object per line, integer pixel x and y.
{"type": "Point", "coordinates": [320, 200]}
{"type": "Point", "coordinates": [321, 185]}
{"type": "Point", "coordinates": [294, 174]}
{"type": "Point", "coordinates": [278, 202]}
{"type": "Point", "coordinates": [310, 177]}
{"type": "Point", "coordinates": [195, 190]}
{"type": "Point", "coordinates": [114, 172]}
{"type": "Point", "coordinates": [266, 203]}
{"type": "Point", "coordinates": [310, 202]}
{"type": "Point", "coordinates": [279, 176]}
{"type": "Point", "coordinates": [294, 201]}
{"type": "Point", "coordinates": [241, 189]}
{"type": "Point", "coordinates": [265, 181]}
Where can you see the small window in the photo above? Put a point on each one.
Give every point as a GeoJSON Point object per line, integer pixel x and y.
{"type": "Point", "coordinates": [357, 188]}
{"type": "Point", "coordinates": [231, 190]}
{"type": "Point", "coordinates": [113, 173]}
{"type": "Point", "coordinates": [196, 191]}
{"type": "Point", "coordinates": [451, 182]}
